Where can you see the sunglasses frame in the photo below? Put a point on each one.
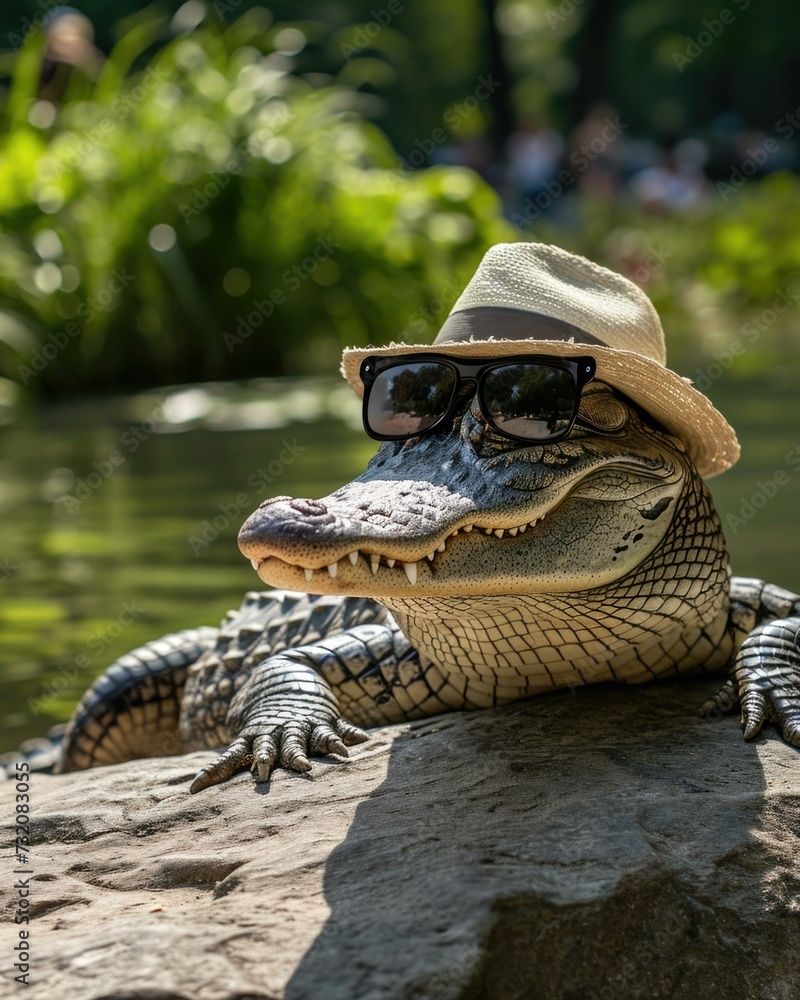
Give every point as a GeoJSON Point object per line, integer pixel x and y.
{"type": "Point", "coordinates": [581, 368]}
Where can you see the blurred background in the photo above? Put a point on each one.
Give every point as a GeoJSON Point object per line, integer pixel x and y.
{"type": "Point", "coordinates": [202, 203]}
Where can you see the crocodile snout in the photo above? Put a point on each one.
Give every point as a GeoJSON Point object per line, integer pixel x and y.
{"type": "Point", "coordinates": [283, 520]}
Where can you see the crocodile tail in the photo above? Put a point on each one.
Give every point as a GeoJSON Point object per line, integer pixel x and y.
{"type": "Point", "coordinates": [132, 710]}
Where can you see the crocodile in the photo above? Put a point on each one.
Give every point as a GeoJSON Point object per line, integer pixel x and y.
{"type": "Point", "coordinates": [463, 569]}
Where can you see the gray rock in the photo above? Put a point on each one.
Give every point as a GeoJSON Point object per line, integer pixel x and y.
{"type": "Point", "coordinates": [607, 844]}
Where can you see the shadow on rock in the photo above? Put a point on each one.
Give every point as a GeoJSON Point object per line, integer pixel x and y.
{"type": "Point", "coordinates": [600, 845]}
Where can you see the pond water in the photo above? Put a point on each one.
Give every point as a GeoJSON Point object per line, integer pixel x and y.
{"type": "Point", "coordinates": [118, 518]}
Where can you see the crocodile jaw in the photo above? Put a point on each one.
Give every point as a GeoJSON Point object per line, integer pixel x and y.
{"type": "Point", "coordinates": [574, 538]}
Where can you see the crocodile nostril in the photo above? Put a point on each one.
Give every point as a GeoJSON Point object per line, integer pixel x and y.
{"type": "Point", "coordinates": [309, 508]}
{"type": "Point", "coordinates": [266, 503]}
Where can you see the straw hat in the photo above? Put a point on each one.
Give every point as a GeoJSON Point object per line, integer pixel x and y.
{"type": "Point", "coordinates": [530, 298]}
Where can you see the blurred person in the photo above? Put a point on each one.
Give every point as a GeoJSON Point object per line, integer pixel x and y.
{"type": "Point", "coordinates": [756, 146]}
{"type": "Point", "coordinates": [69, 47]}
{"type": "Point", "coordinates": [597, 152]}
{"type": "Point", "coordinates": [473, 151]}
{"type": "Point", "coordinates": [533, 154]}
{"type": "Point", "coordinates": [676, 183]}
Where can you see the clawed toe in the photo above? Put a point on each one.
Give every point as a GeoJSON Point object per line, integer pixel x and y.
{"type": "Point", "coordinates": [233, 760]}
{"type": "Point", "coordinates": [265, 756]}
{"type": "Point", "coordinates": [754, 713]}
{"type": "Point", "coordinates": [724, 700]}
{"type": "Point", "coordinates": [324, 740]}
{"type": "Point", "coordinates": [286, 743]}
{"type": "Point", "coordinates": [350, 734]}
{"type": "Point", "coordinates": [791, 732]}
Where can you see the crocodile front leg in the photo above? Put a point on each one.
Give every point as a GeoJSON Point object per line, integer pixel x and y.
{"type": "Point", "coordinates": [292, 705]}
{"type": "Point", "coordinates": [765, 672]}
{"type": "Point", "coordinates": [283, 714]}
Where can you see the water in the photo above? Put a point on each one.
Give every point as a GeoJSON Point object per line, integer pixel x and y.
{"type": "Point", "coordinates": [147, 543]}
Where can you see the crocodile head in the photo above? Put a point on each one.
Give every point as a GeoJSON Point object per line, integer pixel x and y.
{"type": "Point", "coordinates": [464, 511]}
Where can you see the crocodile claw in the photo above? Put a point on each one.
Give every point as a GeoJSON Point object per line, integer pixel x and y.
{"type": "Point", "coordinates": [287, 744]}
{"type": "Point", "coordinates": [722, 701]}
{"type": "Point", "coordinates": [767, 671]}
{"type": "Point", "coordinates": [234, 758]}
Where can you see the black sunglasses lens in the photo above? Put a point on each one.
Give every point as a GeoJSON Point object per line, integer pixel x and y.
{"type": "Point", "coordinates": [408, 399]}
{"type": "Point", "coordinates": [531, 401]}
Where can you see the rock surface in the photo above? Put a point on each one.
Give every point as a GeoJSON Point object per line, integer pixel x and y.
{"type": "Point", "coordinates": [599, 845]}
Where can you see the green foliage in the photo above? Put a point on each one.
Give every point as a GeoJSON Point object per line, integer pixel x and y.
{"type": "Point", "coordinates": [722, 275]}
{"type": "Point", "coordinates": [214, 215]}
{"type": "Point", "coordinates": [209, 208]}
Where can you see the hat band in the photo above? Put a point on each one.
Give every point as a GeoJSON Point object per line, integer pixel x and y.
{"type": "Point", "coordinates": [501, 323]}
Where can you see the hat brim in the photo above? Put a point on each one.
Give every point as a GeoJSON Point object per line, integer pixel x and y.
{"type": "Point", "coordinates": [686, 413]}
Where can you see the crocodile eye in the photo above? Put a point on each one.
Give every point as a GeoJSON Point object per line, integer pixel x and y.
{"type": "Point", "coordinates": [601, 409]}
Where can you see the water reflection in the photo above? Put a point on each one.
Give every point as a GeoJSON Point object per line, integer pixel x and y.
{"type": "Point", "coordinates": [118, 521]}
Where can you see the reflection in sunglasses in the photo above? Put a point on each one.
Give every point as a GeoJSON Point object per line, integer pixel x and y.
{"type": "Point", "coordinates": [527, 399]}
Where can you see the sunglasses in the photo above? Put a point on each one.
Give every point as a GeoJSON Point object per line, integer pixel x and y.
{"type": "Point", "coordinates": [525, 398]}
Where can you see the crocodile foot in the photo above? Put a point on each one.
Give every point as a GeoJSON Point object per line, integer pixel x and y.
{"type": "Point", "coordinates": [283, 715]}
{"type": "Point", "coordinates": [766, 681]}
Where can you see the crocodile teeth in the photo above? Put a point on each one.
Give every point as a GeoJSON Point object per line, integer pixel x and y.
{"type": "Point", "coordinates": [255, 563]}
{"type": "Point", "coordinates": [333, 569]}
{"type": "Point", "coordinates": [411, 571]}
{"type": "Point", "coordinates": [468, 527]}
{"type": "Point", "coordinates": [374, 562]}
{"type": "Point", "coordinates": [390, 562]}
{"type": "Point", "coordinates": [440, 547]}
{"type": "Point", "coordinates": [523, 527]}
{"type": "Point", "coordinates": [353, 557]}
{"type": "Point", "coordinates": [430, 556]}
{"type": "Point", "coordinates": [309, 574]}
{"type": "Point", "coordinates": [499, 532]}
{"type": "Point", "coordinates": [513, 532]}
{"type": "Point", "coordinates": [489, 531]}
